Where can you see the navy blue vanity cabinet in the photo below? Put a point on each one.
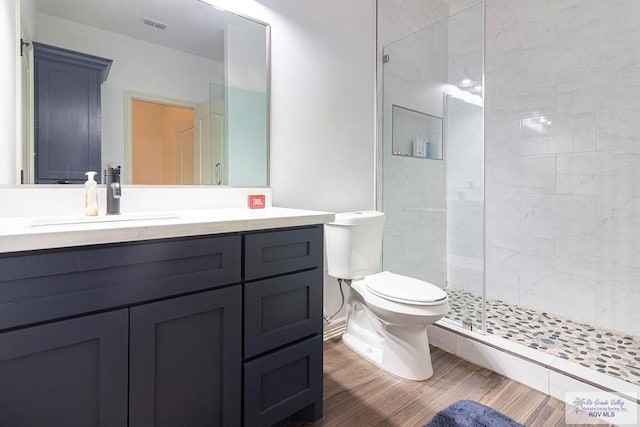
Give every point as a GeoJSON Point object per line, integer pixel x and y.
{"type": "Point", "coordinates": [283, 326]}
{"type": "Point", "coordinates": [67, 132]}
{"type": "Point", "coordinates": [216, 330]}
{"type": "Point", "coordinates": [141, 333]}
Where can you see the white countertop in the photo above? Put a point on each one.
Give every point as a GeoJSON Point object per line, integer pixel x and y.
{"type": "Point", "coordinates": [30, 233]}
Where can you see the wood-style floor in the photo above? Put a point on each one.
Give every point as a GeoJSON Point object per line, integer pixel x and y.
{"type": "Point", "coordinates": [356, 393]}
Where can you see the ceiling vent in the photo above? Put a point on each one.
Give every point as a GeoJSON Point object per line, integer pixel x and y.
{"type": "Point", "coordinates": [153, 23]}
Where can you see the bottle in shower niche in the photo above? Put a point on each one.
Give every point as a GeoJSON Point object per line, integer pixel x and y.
{"type": "Point", "coordinates": [419, 146]}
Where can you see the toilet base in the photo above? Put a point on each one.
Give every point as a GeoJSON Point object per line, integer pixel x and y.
{"type": "Point", "coordinates": [401, 350]}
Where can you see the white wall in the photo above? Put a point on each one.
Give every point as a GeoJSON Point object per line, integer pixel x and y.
{"type": "Point", "coordinates": [322, 105]}
{"type": "Point", "coordinates": [8, 82]}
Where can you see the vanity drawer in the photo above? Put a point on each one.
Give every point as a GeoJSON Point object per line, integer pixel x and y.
{"type": "Point", "coordinates": [284, 382]}
{"type": "Point", "coordinates": [281, 310]}
{"type": "Point", "coordinates": [44, 285]}
{"type": "Point", "coordinates": [279, 252]}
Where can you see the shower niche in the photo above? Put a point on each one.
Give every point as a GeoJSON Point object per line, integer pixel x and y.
{"type": "Point", "coordinates": [416, 134]}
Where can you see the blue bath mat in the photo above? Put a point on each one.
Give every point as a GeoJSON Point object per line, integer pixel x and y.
{"type": "Point", "coordinates": [467, 413]}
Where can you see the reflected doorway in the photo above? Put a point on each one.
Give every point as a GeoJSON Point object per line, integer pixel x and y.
{"type": "Point", "coordinates": [173, 142]}
{"type": "Point", "coordinates": [162, 143]}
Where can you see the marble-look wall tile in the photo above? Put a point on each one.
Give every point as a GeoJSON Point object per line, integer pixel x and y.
{"type": "Point", "coordinates": [514, 100]}
{"type": "Point", "coordinates": [619, 101]}
{"type": "Point", "coordinates": [578, 19]}
{"type": "Point", "coordinates": [616, 307]}
{"type": "Point", "coordinates": [502, 213]}
{"type": "Point", "coordinates": [465, 46]}
{"type": "Point", "coordinates": [457, 6]}
{"type": "Point", "coordinates": [617, 54]}
{"type": "Point", "coordinates": [521, 39]}
{"type": "Point", "coordinates": [520, 24]}
{"type": "Point", "coordinates": [564, 229]}
{"type": "Point", "coordinates": [503, 283]}
{"type": "Point", "coordinates": [502, 138]}
{"type": "Point", "coordinates": [522, 175]}
{"type": "Point", "coordinates": [619, 123]}
{"type": "Point", "coordinates": [559, 133]}
{"type": "Point", "coordinates": [559, 216]}
{"type": "Point", "coordinates": [578, 90]}
{"type": "Point", "coordinates": [465, 273]}
{"type": "Point", "coordinates": [522, 251]}
{"type": "Point", "coordinates": [465, 228]}
{"type": "Point", "coordinates": [618, 20]}
{"type": "Point", "coordinates": [607, 261]}
{"type": "Point", "coordinates": [618, 218]}
{"type": "Point", "coordinates": [399, 18]}
{"type": "Point", "coordinates": [549, 290]}
{"type": "Point", "coordinates": [605, 172]}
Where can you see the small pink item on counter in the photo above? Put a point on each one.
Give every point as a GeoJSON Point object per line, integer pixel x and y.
{"type": "Point", "coordinates": [256, 201]}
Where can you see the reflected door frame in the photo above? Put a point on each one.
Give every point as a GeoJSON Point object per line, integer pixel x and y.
{"type": "Point", "coordinates": [129, 97]}
{"type": "Point", "coordinates": [25, 109]}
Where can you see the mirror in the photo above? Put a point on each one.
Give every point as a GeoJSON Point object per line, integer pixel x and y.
{"type": "Point", "coordinates": [184, 101]}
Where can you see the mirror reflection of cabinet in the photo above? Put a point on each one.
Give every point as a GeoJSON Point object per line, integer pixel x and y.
{"type": "Point", "coordinates": [67, 114]}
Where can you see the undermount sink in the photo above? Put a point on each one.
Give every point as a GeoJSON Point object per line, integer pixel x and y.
{"type": "Point", "coordinates": [73, 220]}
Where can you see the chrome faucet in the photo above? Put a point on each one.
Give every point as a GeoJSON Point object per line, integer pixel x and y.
{"type": "Point", "coordinates": [114, 190]}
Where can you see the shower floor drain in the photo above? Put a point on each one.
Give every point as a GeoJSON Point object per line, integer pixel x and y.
{"type": "Point", "coordinates": [547, 341]}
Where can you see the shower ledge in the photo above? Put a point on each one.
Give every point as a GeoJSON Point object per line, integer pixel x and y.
{"type": "Point", "coordinates": [547, 373]}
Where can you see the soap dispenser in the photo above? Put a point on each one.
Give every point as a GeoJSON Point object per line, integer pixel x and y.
{"type": "Point", "coordinates": [91, 195]}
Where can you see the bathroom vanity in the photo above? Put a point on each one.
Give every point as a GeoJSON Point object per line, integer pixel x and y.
{"type": "Point", "coordinates": [219, 326]}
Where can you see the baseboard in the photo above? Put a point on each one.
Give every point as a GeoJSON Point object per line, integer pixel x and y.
{"type": "Point", "coordinates": [335, 329]}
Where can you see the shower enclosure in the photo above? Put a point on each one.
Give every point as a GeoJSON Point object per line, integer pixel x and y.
{"type": "Point", "coordinates": [510, 153]}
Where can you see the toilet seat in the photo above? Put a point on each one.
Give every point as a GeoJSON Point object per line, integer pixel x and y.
{"type": "Point", "coordinates": [403, 289]}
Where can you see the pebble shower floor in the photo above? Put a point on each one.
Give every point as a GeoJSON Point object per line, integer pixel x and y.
{"type": "Point", "coordinates": [607, 351]}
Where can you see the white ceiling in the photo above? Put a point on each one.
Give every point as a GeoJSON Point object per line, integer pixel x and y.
{"type": "Point", "coordinates": [192, 26]}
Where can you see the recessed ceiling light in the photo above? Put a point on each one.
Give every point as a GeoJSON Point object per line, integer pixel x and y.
{"type": "Point", "coordinates": [478, 88]}
{"type": "Point", "coordinates": [466, 81]}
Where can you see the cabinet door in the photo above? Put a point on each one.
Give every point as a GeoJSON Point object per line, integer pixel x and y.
{"type": "Point", "coordinates": [67, 122]}
{"type": "Point", "coordinates": [185, 360]}
{"type": "Point", "coordinates": [67, 373]}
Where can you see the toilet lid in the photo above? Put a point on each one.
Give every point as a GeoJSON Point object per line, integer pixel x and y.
{"type": "Point", "coordinates": [395, 287]}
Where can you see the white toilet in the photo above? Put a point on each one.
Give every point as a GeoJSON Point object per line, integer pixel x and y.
{"type": "Point", "coordinates": [387, 314]}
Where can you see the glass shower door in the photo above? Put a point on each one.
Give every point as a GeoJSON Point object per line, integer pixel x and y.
{"type": "Point", "coordinates": [432, 160]}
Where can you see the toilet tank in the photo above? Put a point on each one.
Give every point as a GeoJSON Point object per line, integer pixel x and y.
{"type": "Point", "coordinates": [354, 244]}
